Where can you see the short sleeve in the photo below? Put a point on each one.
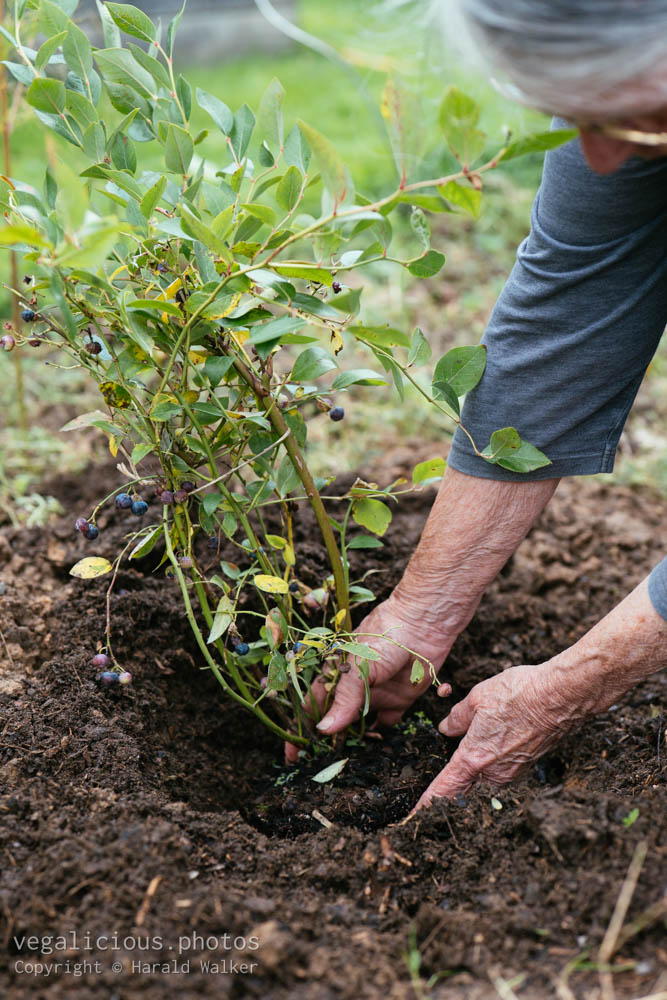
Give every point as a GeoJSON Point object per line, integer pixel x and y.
{"type": "Point", "coordinates": [578, 321]}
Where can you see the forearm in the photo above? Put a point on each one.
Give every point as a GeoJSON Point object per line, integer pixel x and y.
{"type": "Point", "coordinates": [625, 647]}
{"type": "Point", "coordinates": [474, 527]}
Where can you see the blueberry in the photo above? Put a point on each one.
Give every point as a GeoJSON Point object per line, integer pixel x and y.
{"type": "Point", "coordinates": [7, 342]}
{"type": "Point", "coordinates": [27, 279]}
{"type": "Point", "coordinates": [91, 532]}
{"type": "Point", "coordinates": [186, 562]}
{"type": "Point", "coordinates": [101, 660]}
{"type": "Point", "coordinates": [162, 269]}
{"type": "Point", "coordinates": [188, 486]}
{"type": "Point", "coordinates": [241, 648]}
{"type": "Point", "coordinates": [35, 342]}
{"type": "Point", "coordinates": [337, 287]}
{"type": "Point", "coordinates": [125, 678]}
{"type": "Point", "coordinates": [139, 507]}
{"type": "Point", "coordinates": [336, 413]}
{"type": "Point", "coordinates": [123, 501]}
{"type": "Point", "coordinates": [94, 347]}
{"type": "Point", "coordinates": [294, 588]}
{"type": "Point", "coordinates": [298, 646]}
{"type": "Point", "coordinates": [108, 678]}
{"type": "Point", "coordinates": [28, 315]}
{"type": "Point", "coordinates": [81, 524]}
{"type": "Point", "coordinates": [180, 496]}
{"type": "Point", "coordinates": [166, 497]}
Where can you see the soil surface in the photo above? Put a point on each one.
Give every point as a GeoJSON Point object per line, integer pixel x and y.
{"type": "Point", "coordinates": [155, 825]}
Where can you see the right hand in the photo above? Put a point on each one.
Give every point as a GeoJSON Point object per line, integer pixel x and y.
{"type": "Point", "coordinates": [392, 691]}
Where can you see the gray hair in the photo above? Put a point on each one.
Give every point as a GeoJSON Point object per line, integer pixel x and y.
{"type": "Point", "coordinates": [573, 57]}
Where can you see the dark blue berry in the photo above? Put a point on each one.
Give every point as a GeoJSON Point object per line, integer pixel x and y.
{"type": "Point", "coordinates": [188, 486]}
{"type": "Point", "coordinates": [162, 269]}
{"type": "Point", "coordinates": [336, 413]}
{"type": "Point", "coordinates": [28, 315]}
{"type": "Point", "coordinates": [294, 588]}
{"type": "Point", "coordinates": [91, 532]}
{"type": "Point", "coordinates": [298, 646]}
{"type": "Point", "coordinates": [166, 497]}
{"type": "Point", "coordinates": [123, 501]}
{"type": "Point", "coordinates": [242, 648]}
{"type": "Point", "coordinates": [108, 678]}
{"type": "Point", "coordinates": [337, 287]}
{"type": "Point", "coordinates": [81, 524]}
{"type": "Point", "coordinates": [139, 507]}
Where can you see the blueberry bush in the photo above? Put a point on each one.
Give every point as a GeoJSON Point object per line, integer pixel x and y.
{"type": "Point", "coordinates": [212, 302]}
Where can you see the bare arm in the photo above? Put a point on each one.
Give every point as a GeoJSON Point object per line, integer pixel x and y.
{"type": "Point", "coordinates": [511, 719]}
{"type": "Point", "coordinates": [474, 527]}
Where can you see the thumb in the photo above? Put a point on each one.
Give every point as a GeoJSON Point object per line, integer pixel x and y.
{"type": "Point", "coordinates": [458, 776]}
{"type": "Point", "coordinates": [457, 723]}
{"type": "Point", "coordinates": [349, 697]}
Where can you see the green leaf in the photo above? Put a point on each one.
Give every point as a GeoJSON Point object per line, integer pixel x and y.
{"type": "Point", "coordinates": [82, 110]}
{"type": "Point", "coordinates": [358, 376]}
{"type": "Point", "coordinates": [364, 542]}
{"type": "Point", "coordinates": [110, 31]}
{"type": "Point", "coordinates": [172, 29]}
{"type": "Point", "coordinates": [123, 154]}
{"type": "Point", "coordinates": [461, 368]}
{"type": "Point", "coordinates": [428, 471]}
{"type": "Point", "coordinates": [155, 305]}
{"type": "Point", "coordinates": [466, 198]}
{"type": "Point", "coordinates": [417, 672]}
{"type": "Point", "coordinates": [420, 349]}
{"type": "Point", "coordinates": [152, 197]}
{"type": "Point", "coordinates": [147, 542]}
{"type": "Point", "coordinates": [508, 450]}
{"type": "Point", "coordinates": [241, 131]}
{"type": "Point", "coordinates": [330, 772]}
{"type": "Point", "coordinates": [120, 66]}
{"type": "Point", "coordinates": [287, 478]}
{"type": "Point", "coordinates": [178, 150]}
{"type": "Point", "coordinates": [140, 451]}
{"type": "Point", "coordinates": [47, 49]}
{"type": "Point", "coordinates": [52, 18]}
{"type": "Point", "coordinates": [297, 150]}
{"type": "Point", "coordinates": [372, 514]}
{"type": "Point", "coordinates": [271, 584]}
{"type": "Point", "coordinates": [459, 115]}
{"type": "Point", "coordinates": [311, 364]}
{"type": "Point", "coordinates": [184, 91]}
{"type": "Point", "coordinates": [222, 619]}
{"type": "Point", "coordinates": [47, 95]}
{"type": "Point", "coordinates": [20, 72]}
{"type": "Point", "coordinates": [540, 142]}
{"type": "Point", "coordinates": [91, 567]}
{"type": "Point", "coordinates": [151, 65]}
{"type": "Point", "coordinates": [428, 265]}
{"type": "Point", "coordinates": [132, 21]}
{"type": "Point", "coordinates": [215, 369]}
{"type": "Point", "coordinates": [444, 393]}
{"type": "Point", "coordinates": [305, 271]}
{"type": "Point", "coordinates": [360, 649]}
{"type": "Point", "coordinates": [264, 213]}
{"type": "Point", "coordinates": [289, 189]}
{"type": "Point", "coordinates": [381, 336]}
{"type": "Point", "coordinates": [270, 115]}
{"type": "Point", "coordinates": [217, 109]}
{"type": "Point", "coordinates": [420, 227]}
{"type": "Point", "coordinates": [329, 160]}
{"type": "Point", "coordinates": [403, 118]}
{"type": "Point", "coordinates": [165, 411]}
{"type": "Point", "coordinates": [78, 53]}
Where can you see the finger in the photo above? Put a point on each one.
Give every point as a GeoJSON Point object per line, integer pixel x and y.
{"type": "Point", "coordinates": [291, 753]}
{"type": "Point", "coordinates": [459, 776]}
{"type": "Point", "coordinates": [389, 717]}
{"type": "Point", "coordinates": [349, 697]}
{"type": "Point", "coordinates": [457, 723]}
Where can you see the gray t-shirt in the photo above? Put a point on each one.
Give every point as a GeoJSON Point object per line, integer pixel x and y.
{"type": "Point", "coordinates": [577, 323]}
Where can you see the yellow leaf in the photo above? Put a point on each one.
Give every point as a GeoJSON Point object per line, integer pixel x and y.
{"type": "Point", "coordinates": [288, 555]}
{"type": "Point", "coordinates": [196, 358]}
{"type": "Point", "coordinates": [271, 584]}
{"type": "Point", "coordinates": [336, 342]}
{"type": "Point", "coordinates": [239, 336]}
{"type": "Point", "coordinates": [113, 444]}
{"type": "Point", "coordinates": [89, 568]}
{"type": "Point", "coordinates": [340, 618]}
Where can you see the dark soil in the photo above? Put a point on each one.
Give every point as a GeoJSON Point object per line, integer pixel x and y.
{"type": "Point", "coordinates": [158, 813]}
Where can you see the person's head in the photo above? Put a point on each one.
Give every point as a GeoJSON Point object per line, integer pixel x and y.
{"type": "Point", "coordinates": [601, 64]}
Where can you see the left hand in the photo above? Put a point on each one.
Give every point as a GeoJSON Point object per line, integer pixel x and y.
{"type": "Point", "coordinates": [507, 722]}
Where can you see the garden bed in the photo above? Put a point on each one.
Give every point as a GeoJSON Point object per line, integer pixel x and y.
{"type": "Point", "coordinates": [158, 811]}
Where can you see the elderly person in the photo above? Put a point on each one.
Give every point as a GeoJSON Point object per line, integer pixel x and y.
{"type": "Point", "coordinates": [568, 343]}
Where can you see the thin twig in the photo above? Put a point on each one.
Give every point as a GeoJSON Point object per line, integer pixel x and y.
{"type": "Point", "coordinates": [611, 938]}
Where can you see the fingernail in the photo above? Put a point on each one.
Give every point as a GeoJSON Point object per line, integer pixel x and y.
{"type": "Point", "coordinates": [324, 725]}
